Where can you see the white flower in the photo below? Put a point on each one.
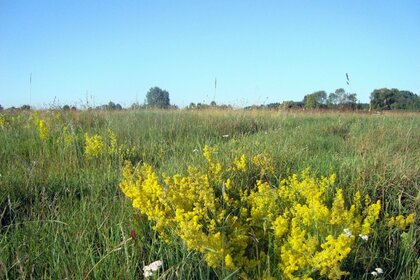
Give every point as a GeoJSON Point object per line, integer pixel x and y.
{"type": "Point", "coordinates": [364, 237]}
{"type": "Point", "coordinates": [379, 270]}
{"type": "Point", "coordinates": [374, 273]}
{"type": "Point", "coordinates": [348, 232]}
{"type": "Point", "coordinates": [149, 269]}
{"type": "Point", "coordinates": [225, 136]}
{"type": "Point", "coordinates": [155, 265]}
{"type": "Point", "coordinates": [195, 151]}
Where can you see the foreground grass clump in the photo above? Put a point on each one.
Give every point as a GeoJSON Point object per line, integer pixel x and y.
{"type": "Point", "coordinates": [232, 214]}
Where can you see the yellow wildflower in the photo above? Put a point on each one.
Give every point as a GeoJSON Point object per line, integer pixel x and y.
{"type": "Point", "coordinates": [2, 120]}
{"type": "Point", "coordinates": [240, 164]}
{"type": "Point", "coordinates": [43, 130]}
{"type": "Point", "coordinates": [229, 261]}
{"type": "Point", "coordinates": [371, 217]}
{"type": "Point", "coordinates": [94, 146]}
{"type": "Point", "coordinates": [401, 223]}
{"type": "Point", "coordinates": [112, 147]}
{"type": "Point", "coordinates": [335, 250]}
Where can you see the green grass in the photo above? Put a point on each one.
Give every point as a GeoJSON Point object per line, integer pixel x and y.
{"type": "Point", "coordinates": [65, 217]}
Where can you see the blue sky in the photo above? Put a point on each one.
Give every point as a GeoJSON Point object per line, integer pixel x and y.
{"type": "Point", "coordinates": [259, 51]}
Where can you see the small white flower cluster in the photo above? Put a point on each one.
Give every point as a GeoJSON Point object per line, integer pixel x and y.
{"type": "Point", "coordinates": [377, 271]}
{"type": "Point", "coordinates": [348, 232]}
{"type": "Point", "coordinates": [225, 136]}
{"type": "Point", "coordinates": [364, 237]}
{"type": "Point", "coordinates": [148, 270]}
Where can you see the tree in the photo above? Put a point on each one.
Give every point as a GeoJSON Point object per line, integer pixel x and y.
{"type": "Point", "coordinates": [273, 106]}
{"type": "Point", "coordinates": [340, 98]}
{"type": "Point", "coordinates": [1, 107]}
{"type": "Point", "coordinates": [315, 100]}
{"type": "Point", "coordinates": [387, 99]}
{"type": "Point", "coordinates": [192, 106]}
{"type": "Point", "coordinates": [157, 98]}
{"type": "Point", "coordinates": [112, 106]}
{"type": "Point", "coordinates": [292, 105]}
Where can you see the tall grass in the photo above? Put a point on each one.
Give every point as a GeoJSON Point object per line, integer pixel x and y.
{"type": "Point", "coordinates": [63, 216]}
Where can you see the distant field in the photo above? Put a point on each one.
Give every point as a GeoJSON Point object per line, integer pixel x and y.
{"type": "Point", "coordinates": [64, 216]}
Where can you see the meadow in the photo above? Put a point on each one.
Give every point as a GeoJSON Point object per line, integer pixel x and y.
{"type": "Point", "coordinates": [236, 194]}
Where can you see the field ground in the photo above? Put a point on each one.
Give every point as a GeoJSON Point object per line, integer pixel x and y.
{"type": "Point", "coordinates": [63, 215]}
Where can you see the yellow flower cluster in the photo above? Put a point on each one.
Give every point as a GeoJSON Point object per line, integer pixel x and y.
{"type": "Point", "coordinates": [42, 130]}
{"type": "Point", "coordinates": [264, 163]}
{"type": "Point", "coordinates": [235, 225]}
{"type": "Point", "coordinates": [401, 223]}
{"type": "Point", "coordinates": [2, 121]}
{"type": "Point", "coordinates": [312, 235]}
{"type": "Point", "coordinates": [214, 167]}
{"type": "Point", "coordinates": [67, 136]}
{"type": "Point", "coordinates": [113, 147]}
{"type": "Point", "coordinates": [97, 146]}
{"type": "Point", "coordinates": [240, 163]}
{"type": "Point", "coordinates": [94, 146]}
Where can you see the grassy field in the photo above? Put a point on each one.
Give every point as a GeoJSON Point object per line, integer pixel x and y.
{"type": "Point", "coordinates": [63, 215]}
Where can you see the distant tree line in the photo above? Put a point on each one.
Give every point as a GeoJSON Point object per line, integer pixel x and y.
{"type": "Point", "coordinates": [203, 106]}
{"type": "Point", "coordinates": [21, 108]}
{"type": "Point", "coordinates": [380, 99]}
{"type": "Point", "coordinates": [111, 106]}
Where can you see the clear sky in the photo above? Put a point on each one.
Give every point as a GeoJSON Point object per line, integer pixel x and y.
{"type": "Point", "coordinates": [92, 51]}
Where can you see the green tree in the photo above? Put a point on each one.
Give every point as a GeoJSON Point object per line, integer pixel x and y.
{"type": "Point", "coordinates": [112, 106]}
{"type": "Point", "coordinates": [25, 107]}
{"type": "Point", "coordinates": [315, 100]}
{"type": "Point", "coordinates": [341, 99]}
{"type": "Point", "coordinates": [157, 98]}
{"type": "Point", "coordinates": [387, 99]}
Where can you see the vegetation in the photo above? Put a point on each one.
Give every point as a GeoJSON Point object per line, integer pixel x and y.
{"type": "Point", "coordinates": [341, 99]}
{"type": "Point", "coordinates": [338, 100]}
{"type": "Point", "coordinates": [157, 98]}
{"type": "Point", "coordinates": [110, 106]}
{"type": "Point", "coordinates": [291, 194]}
{"type": "Point", "coordinates": [315, 100]}
{"type": "Point", "coordinates": [394, 99]}
{"type": "Point", "coordinates": [203, 106]}
{"type": "Point", "coordinates": [381, 99]}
